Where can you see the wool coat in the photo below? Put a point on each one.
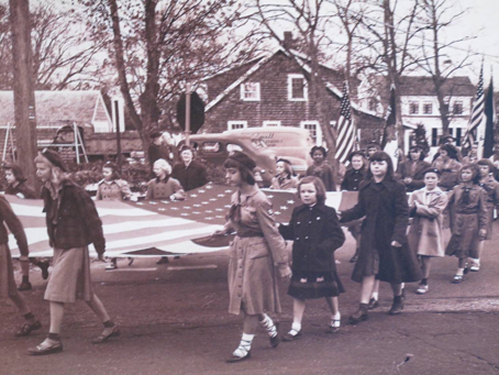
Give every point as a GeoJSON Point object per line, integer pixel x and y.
{"type": "Point", "coordinates": [22, 190]}
{"type": "Point", "coordinates": [352, 179]}
{"type": "Point", "coordinates": [115, 190]}
{"type": "Point", "coordinates": [449, 173]}
{"type": "Point", "coordinates": [385, 207]}
{"type": "Point", "coordinates": [324, 172]}
{"type": "Point", "coordinates": [256, 251]}
{"type": "Point", "coordinates": [316, 234]}
{"type": "Point", "coordinates": [426, 235]}
{"type": "Point", "coordinates": [191, 177]}
{"type": "Point", "coordinates": [416, 175]}
{"type": "Point", "coordinates": [164, 189]}
{"type": "Point", "coordinates": [287, 183]}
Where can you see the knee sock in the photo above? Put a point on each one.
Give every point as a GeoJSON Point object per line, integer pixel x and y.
{"type": "Point", "coordinates": [269, 326]}
{"type": "Point", "coordinates": [245, 345]}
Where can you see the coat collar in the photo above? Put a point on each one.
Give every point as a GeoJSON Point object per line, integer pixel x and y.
{"type": "Point", "coordinates": [318, 206]}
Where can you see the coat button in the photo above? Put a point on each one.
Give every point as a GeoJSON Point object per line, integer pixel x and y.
{"type": "Point", "coordinates": [310, 222]}
{"type": "Point", "coordinates": [307, 237]}
{"type": "Point", "coordinates": [297, 239]}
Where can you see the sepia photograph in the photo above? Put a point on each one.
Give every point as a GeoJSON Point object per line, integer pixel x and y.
{"type": "Point", "coordinates": [296, 187]}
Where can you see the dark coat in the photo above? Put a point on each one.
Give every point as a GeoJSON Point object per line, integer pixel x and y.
{"type": "Point", "coordinates": [192, 177]}
{"type": "Point", "coordinates": [417, 177]}
{"type": "Point", "coordinates": [316, 234]}
{"type": "Point", "coordinates": [352, 179]}
{"type": "Point", "coordinates": [75, 221]}
{"type": "Point", "coordinates": [23, 189]}
{"type": "Point", "coordinates": [385, 206]}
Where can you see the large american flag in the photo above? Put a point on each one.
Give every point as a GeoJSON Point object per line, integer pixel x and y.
{"type": "Point", "coordinates": [346, 134]}
{"type": "Point", "coordinates": [162, 227]}
{"type": "Point", "coordinates": [477, 118]}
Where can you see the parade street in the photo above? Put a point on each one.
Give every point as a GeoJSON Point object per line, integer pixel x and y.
{"type": "Point", "coordinates": [174, 320]}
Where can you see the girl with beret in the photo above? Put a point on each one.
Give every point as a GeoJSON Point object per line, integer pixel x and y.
{"type": "Point", "coordinates": [384, 253]}
{"type": "Point", "coordinates": [256, 255]}
{"type": "Point", "coordinates": [285, 177]}
{"type": "Point", "coordinates": [426, 234]}
{"type": "Point", "coordinates": [316, 234]}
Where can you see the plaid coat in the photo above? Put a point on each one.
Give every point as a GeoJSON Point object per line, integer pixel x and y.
{"type": "Point", "coordinates": [73, 221]}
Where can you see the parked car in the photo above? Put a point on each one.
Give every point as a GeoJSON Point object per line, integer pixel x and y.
{"type": "Point", "coordinates": [264, 145]}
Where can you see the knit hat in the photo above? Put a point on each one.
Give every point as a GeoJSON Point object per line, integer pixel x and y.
{"type": "Point", "coordinates": [53, 158]}
{"type": "Point", "coordinates": [431, 170]}
{"type": "Point", "coordinates": [242, 159]}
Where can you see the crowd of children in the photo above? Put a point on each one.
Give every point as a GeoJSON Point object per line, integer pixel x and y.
{"type": "Point", "coordinates": [446, 194]}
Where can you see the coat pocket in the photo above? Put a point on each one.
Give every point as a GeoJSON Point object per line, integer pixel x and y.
{"type": "Point", "coordinates": [258, 250]}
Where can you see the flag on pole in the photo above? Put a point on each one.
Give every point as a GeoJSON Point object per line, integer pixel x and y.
{"type": "Point", "coordinates": [390, 118]}
{"type": "Point", "coordinates": [489, 135]}
{"type": "Point", "coordinates": [346, 134]}
{"type": "Point", "coordinates": [477, 119]}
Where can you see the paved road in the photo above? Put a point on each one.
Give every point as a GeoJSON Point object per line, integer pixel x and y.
{"type": "Point", "coordinates": [174, 321]}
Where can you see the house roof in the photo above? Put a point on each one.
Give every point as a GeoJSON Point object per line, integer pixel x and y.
{"type": "Point", "coordinates": [423, 86]}
{"type": "Point", "coordinates": [54, 107]}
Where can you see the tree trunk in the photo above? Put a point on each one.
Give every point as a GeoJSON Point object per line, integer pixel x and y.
{"type": "Point", "coordinates": [24, 95]}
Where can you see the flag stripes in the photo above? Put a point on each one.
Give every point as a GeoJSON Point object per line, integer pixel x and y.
{"type": "Point", "coordinates": [346, 134]}
{"type": "Point", "coordinates": [477, 117]}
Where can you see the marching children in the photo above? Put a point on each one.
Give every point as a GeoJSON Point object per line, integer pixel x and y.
{"type": "Point", "coordinates": [425, 236]}
{"type": "Point", "coordinates": [112, 188]}
{"type": "Point", "coordinates": [72, 224]}
{"type": "Point", "coordinates": [316, 233]}
{"type": "Point", "coordinates": [285, 178]}
{"type": "Point", "coordinates": [8, 287]}
{"type": "Point", "coordinates": [16, 185]}
{"type": "Point", "coordinates": [470, 220]}
{"type": "Point", "coordinates": [352, 178]}
{"type": "Point", "coordinates": [256, 255]}
{"type": "Point", "coordinates": [490, 185]}
{"type": "Point", "coordinates": [384, 253]}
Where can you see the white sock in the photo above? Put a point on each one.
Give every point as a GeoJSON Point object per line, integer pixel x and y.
{"type": "Point", "coordinates": [375, 296]}
{"type": "Point", "coordinates": [269, 326]}
{"type": "Point", "coordinates": [296, 327]}
{"type": "Point", "coordinates": [245, 345]}
{"type": "Point", "coordinates": [460, 271]}
{"type": "Point", "coordinates": [336, 316]}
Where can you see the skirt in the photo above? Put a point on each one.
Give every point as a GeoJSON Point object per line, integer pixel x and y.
{"type": "Point", "coordinates": [70, 277]}
{"type": "Point", "coordinates": [312, 285]}
{"type": "Point", "coordinates": [8, 285]}
{"type": "Point", "coordinates": [464, 240]}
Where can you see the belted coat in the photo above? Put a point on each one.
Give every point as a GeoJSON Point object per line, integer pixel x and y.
{"type": "Point", "coordinates": [385, 207]}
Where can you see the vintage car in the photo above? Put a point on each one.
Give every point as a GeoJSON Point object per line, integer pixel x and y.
{"type": "Point", "coordinates": [264, 145]}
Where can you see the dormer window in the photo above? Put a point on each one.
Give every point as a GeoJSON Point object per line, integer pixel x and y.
{"type": "Point", "coordinates": [250, 91]}
{"type": "Point", "coordinates": [428, 108]}
{"type": "Point", "coordinates": [413, 108]}
{"type": "Point", "coordinates": [458, 108]}
{"type": "Point", "coordinates": [297, 87]}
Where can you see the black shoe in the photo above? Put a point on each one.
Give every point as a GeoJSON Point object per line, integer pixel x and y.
{"type": "Point", "coordinates": [354, 258]}
{"type": "Point", "coordinates": [235, 358]}
{"type": "Point", "coordinates": [373, 304]}
{"type": "Point", "coordinates": [275, 341]}
{"type": "Point", "coordinates": [27, 328]}
{"type": "Point", "coordinates": [44, 266]}
{"type": "Point", "coordinates": [359, 316]}
{"type": "Point", "coordinates": [397, 306]}
{"type": "Point", "coordinates": [25, 286]}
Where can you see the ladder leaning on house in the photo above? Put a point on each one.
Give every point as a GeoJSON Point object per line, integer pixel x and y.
{"type": "Point", "coordinates": [8, 145]}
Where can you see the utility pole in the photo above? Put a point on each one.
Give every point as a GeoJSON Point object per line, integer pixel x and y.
{"type": "Point", "coordinates": [24, 95]}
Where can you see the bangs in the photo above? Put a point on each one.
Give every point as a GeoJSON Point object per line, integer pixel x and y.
{"type": "Point", "coordinates": [230, 163]}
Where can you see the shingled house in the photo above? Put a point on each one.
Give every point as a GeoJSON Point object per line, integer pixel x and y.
{"type": "Point", "coordinates": [272, 90]}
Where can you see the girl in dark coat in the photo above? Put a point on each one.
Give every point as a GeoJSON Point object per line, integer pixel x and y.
{"type": "Point", "coordinates": [384, 253]}
{"type": "Point", "coordinates": [316, 233]}
{"type": "Point", "coordinates": [411, 171]}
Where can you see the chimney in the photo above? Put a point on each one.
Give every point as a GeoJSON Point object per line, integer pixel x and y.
{"type": "Point", "coordinates": [288, 39]}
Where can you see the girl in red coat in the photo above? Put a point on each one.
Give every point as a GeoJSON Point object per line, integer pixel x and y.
{"type": "Point", "coordinates": [316, 234]}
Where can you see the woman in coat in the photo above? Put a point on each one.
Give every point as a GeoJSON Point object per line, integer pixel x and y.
{"type": "Point", "coordinates": [255, 257]}
{"type": "Point", "coordinates": [411, 171]}
{"type": "Point", "coordinates": [384, 253]}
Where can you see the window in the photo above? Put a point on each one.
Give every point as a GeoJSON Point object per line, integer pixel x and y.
{"type": "Point", "coordinates": [427, 108]}
{"type": "Point", "coordinates": [233, 125]}
{"type": "Point", "coordinates": [458, 108]}
{"type": "Point", "coordinates": [231, 147]}
{"type": "Point", "coordinates": [414, 108]}
{"type": "Point", "coordinates": [269, 124]}
{"type": "Point", "coordinates": [434, 140]}
{"type": "Point", "coordinates": [297, 87]}
{"type": "Point", "coordinates": [458, 136]}
{"type": "Point", "coordinates": [250, 91]}
{"type": "Point", "coordinates": [314, 130]}
{"type": "Point", "coordinates": [211, 147]}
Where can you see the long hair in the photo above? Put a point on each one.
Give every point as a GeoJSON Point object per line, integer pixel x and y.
{"type": "Point", "coordinates": [450, 150]}
{"type": "Point", "coordinates": [381, 156]}
{"type": "Point", "coordinates": [114, 170]}
{"type": "Point", "coordinates": [246, 174]}
{"type": "Point", "coordinates": [475, 172]}
{"type": "Point", "coordinates": [422, 154]}
{"type": "Point", "coordinates": [488, 163]}
{"type": "Point", "coordinates": [318, 184]}
{"type": "Point", "coordinates": [17, 171]}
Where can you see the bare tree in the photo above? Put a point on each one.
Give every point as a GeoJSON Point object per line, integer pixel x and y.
{"type": "Point", "coordinates": [435, 17]}
{"type": "Point", "coordinates": [159, 46]}
{"type": "Point", "coordinates": [63, 56]}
